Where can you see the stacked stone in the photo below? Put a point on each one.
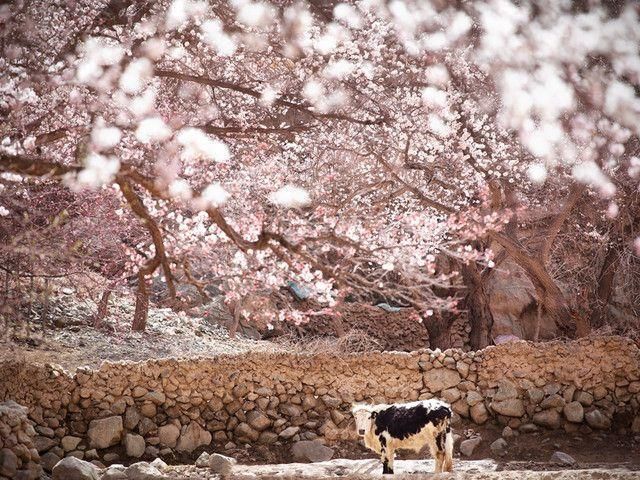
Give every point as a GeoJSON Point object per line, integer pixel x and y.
{"type": "Point", "coordinates": [459, 333]}
{"type": "Point", "coordinates": [157, 407]}
{"type": "Point", "coordinates": [19, 458]}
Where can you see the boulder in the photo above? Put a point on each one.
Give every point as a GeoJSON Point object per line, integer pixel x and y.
{"type": "Point", "coordinates": [42, 444]}
{"type": "Point", "coordinates": [168, 435]}
{"type": "Point", "coordinates": [499, 447]}
{"type": "Point", "coordinates": [203, 460]}
{"type": "Point", "coordinates": [561, 458]}
{"type": "Point", "coordinates": [289, 432]}
{"type": "Point", "coordinates": [244, 432]}
{"type": "Point", "coordinates": [547, 418]}
{"type": "Point", "coordinates": [49, 460]}
{"type": "Point", "coordinates": [574, 412]}
{"type": "Point", "coordinates": [509, 408]}
{"type": "Point", "coordinates": [553, 401]}
{"type": "Point", "coordinates": [134, 445]}
{"type": "Point", "coordinates": [258, 420]}
{"type": "Point", "coordinates": [192, 437]}
{"type": "Point", "coordinates": [585, 398]}
{"type": "Point", "coordinates": [8, 463]}
{"type": "Point", "coordinates": [144, 471]}
{"type": "Point", "coordinates": [105, 432]}
{"type": "Point", "coordinates": [72, 468]}
{"type": "Point", "coordinates": [439, 379]}
{"type": "Point", "coordinates": [468, 446]}
{"type": "Point", "coordinates": [70, 443]}
{"type": "Point", "coordinates": [311, 451]}
{"type": "Point", "coordinates": [220, 464]}
{"type": "Point", "coordinates": [479, 413]}
{"type": "Point", "coordinates": [131, 418]}
{"type": "Point", "coordinates": [506, 390]}
{"type": "Point", "coordinates": [473, 398]}
{"type": "Point", "coordinates": [115, 472]}
{"type": "Point", "coordinates": [596, 419]}
{"type": "Point", "coordinates": [159, 464]}
{"type": "Point", "coordinates": [535, 395]}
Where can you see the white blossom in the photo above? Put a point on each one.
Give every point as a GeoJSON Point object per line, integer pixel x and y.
{"type": "Point", "coordinates": [434, 98]}
{"type": "Point", "coordinates": [256, 14]}
{"type": "Point", "coordinates": [213, 196]}
{"type": "Point", "coordinates": [153, 130]}
{"type": "Point", "coordinates": [591, 174]}
{"type": "Point", "coordinates": [136, 75]}
{"type": "Point", "coordinates": [290, 196]}
{"type": "Point", "coordinates": [98, 170]}
{"type": "Point", "coordinates": [180, 189]}
{"type": "Point", "coordinates": [348, 14]}
{"type": "Point", "coordinates": [3, 211]}
{"type": "Point", "coordinates": [104, 138]}
{"type": "Point", "coordinates": [537, 173]}
{"type": "Point", "coordinates": [214, 35]}
{"type": "Point", "coordinates": [197, 144]}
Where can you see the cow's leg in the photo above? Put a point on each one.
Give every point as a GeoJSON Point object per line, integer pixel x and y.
{"type": "Point", "coordinates": [435, 453]}
{"type": "Point", "coordinates": [386, 455]}
{"type": "Point", "coordinates": [447, 465]}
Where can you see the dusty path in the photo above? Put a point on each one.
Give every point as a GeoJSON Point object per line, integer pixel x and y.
{"type": "Point", "coordinates": [406, 469]}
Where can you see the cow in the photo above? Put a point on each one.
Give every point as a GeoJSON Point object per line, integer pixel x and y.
{"type": "Point", "coordinates": [386, 428]}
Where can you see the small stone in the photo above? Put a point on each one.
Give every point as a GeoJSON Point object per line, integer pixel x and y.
{"type": "Point", "coordinates": [473, 398]}
{"type": "Point", "coordinates": [479, 413]}
{"type": "Point", "coordinates": [499, 447]}
{"type": "Point", "coordinates": [221, 464]}
{"type": "Point", "coordinates": [91, 454]}
{"type": "Point", "coordinates": [528, 428]}
{"type": "Point", "coordinates": [156, 397]}
{"type": "Point", "coordinates": [114, 472]}
{"type": "Point", "coordinates": [509, 408]}
{"type": "Point", "coordinates": [131, 418]}
{"type": "Point", "coordinates": [192, 437]}
{"type": "Point", "coordinates": [148, 410]}
{"type": "Point", "coordinates": [258, 420]}
{"type": "Point", "coordinates": [144, 471]}
{"type": "Point", "coordinates": [134, 445]}
{"type": "Point", "coordinates": [76, 453]}
{"type": "Point", "coordinates": [48, 461]}
{"type": "Point", "coordinates": [507, 432]}
{"type": "Point", "coordinates": [553, 401]}
{"type": "Point", "coordinates": [110, 457]}
{"type": "Point", "coordinates": [244, 432]}
{"type": "Point", "coordinates": [560, 458]}
{"type": "Point", "coordinates": [585, 398]}
{"type": "Point", "coordinates": [506, 391]}
{"type": "Point", "coordinates": [8, 463]}
{"type": "Point", "coordinates": [311, 450]}
{"type": "Point", "coordinates": [71, 468]}
{"type": "Point", "coordinates": [42, 444]}
{"type": "Point", "coordinates": [547, 418]}
{"type": "Point", "coordinates": [159, 464]}
{"type": "Point", "coordinates": [535, 395]}
{"type": "Point", "coordinates": [468, 446]}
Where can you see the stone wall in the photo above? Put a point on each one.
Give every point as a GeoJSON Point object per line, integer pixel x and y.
{"type": "Point", "coordinates": [179, 405]}
{"type": "Point", "coordinates": [19, 458]}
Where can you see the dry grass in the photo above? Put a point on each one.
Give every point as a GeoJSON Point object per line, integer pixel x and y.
{"type": "Point", "coordinates": [354, 341]}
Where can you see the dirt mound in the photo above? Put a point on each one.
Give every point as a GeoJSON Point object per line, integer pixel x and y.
{"type": "Point", "coordinates": [391, 330]}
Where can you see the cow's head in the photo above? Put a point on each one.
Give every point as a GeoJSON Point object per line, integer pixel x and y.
{"type": "Point", "coordinates": [364, 418]}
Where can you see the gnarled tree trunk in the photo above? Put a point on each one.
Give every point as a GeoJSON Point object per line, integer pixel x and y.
{"type": "Point", "coordinates": [477, 303]}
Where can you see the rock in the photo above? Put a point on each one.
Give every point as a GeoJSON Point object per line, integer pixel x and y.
{"type": "Point", "coordinates": [473, 398]}
{"type": "Point", "coordinates": [159, 464]}
{"type": "Point", "coordinates": [439, 379]}
{"type": "Point", "coordinates": [574, 412]}
{"type": "Point", "coordinates": [91, 454]}
{"type": "Point", "coordinates": [111, 457]}
{"type": "Point", "coordinates": [267, 438]}
{"type": "Point", "coordinates": [114, 472]}
{"type": "Point", "coordinates": [220, 464]}
{"type": "Point", "coordinates": [203, 460]}
{"type": "Point", "coordinates": [148, 410]}
{"type": "Point", "coordinates": [596, 419]}
{"type": "Point", "coordinates": [451, 395]}
{"type": "Point", "coordinates": [76, 453]}
{"type": "Point", "coordinates": [45, 431]}
{"type": "Point", "coordinates": [535, 395]}
{"type": "Point", "coordinates": [156, 397]}
{"type": "Point", "coordinates": [42, 444]}
{"type": "Point", "coordinates": [69, 443]}
{"type": "Point", "coordinates": [528, 428]}
{"type": "Point", "coordinates": [8, 463]}
{"type": "Point", "coordinates": [146, 426]}
{"type": "Point", "coordinates": [311, 451]}
{"type": "Point", "coordinates": [151, 451]}
{"type": "Point", "coordinates": [635, 426]}
{"type": "Point", "coordinates": [168, 435]}
{"type": "Point", "coordinates": [289, 432]}
{"type": "Point", "coordinates": [105, 432]}
{"type": "Point", "coordinates": [244, 432]}
{"type": "Point", "coordinates": [585, 398]}
{"type": "Point", "coordinates": [144, 471]}
{"type": "Point", "coordinates": [291, 410]}
{"type": "Point", "coordinates": [48, 461]}
{"type": "Point", "coordinates": [258, 420]}
{"type": "Point", "coordinates": [192, 437]}
{"type": "Point", "coordinates": [499, 447]}
{"type": "Point", "coordinates": [479, 413]}
{"type": "Point", "coordinates": [553, 401]}
{"type": "Point", "coordinates": [506, 391]}
{"type": "Point", "coordinates": [134, 445]}
{"type": "Point", "coordinates": [131, 418]}
{"type": "Point", "coordinates": [507, 432]}
{"type": "Point", "coordinates": [71, 468]}
{"type": "Point", "coordinates": [560, 458]}
{"type": "Point", "coordinates": [547, 418]}
{"type": "Point", "coordinates": [468, 446]}
{"type": "Point", "coordinates": [509, 408]}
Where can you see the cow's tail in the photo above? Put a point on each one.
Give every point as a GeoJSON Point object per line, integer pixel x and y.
{"type": "Point", "coordinates": [447, 464]}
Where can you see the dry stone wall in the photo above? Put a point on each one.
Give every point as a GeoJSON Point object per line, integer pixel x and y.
{"type": "Point", "coordinates": [156, 407]}
{"type": "Point", "coordinates": [19, 458]}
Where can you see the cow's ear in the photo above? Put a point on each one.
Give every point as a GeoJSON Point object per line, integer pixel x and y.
{"type": "Point", "coordinates": [374, 415]}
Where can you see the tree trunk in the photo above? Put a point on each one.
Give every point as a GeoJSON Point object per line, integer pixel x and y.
{"type": "Point", "coordinates": [103, 308]}
{"type": "Point", "coordinates": [477, 303]}
{"type": "Point", "coordinates": [605, 285]}
{"type": "Point", "coordinates": [438, 328]}
{"type": "Point", "coordinates": [142, 305]}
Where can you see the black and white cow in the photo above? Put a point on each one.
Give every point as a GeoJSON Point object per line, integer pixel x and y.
{"type": "Point", "coordinates": [386, 428]}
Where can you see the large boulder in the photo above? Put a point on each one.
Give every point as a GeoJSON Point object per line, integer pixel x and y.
{"type": "Point", "coordinates": [134, 445]}
{"type": "Point", "coordinates": [192, 437]}
{"type": "Point", "coordinates": [468, 446]}
{"type": "Point", "coordinates": [168, 435]}
{"type": "Point", "coordinates": [72, 468]}
{"type": "Point", "coordinates": [105, 432]}
{"type": "Point", "coordinates": [438, 379]}
{"type": "Point", "coordinates": [144, 471]}
{"type": "Point", "coordinates": [512, 407]}
{"type": "Point", "coordinates": [220, 464]}
{"type": "Point", "coordinates": [311, 451]}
